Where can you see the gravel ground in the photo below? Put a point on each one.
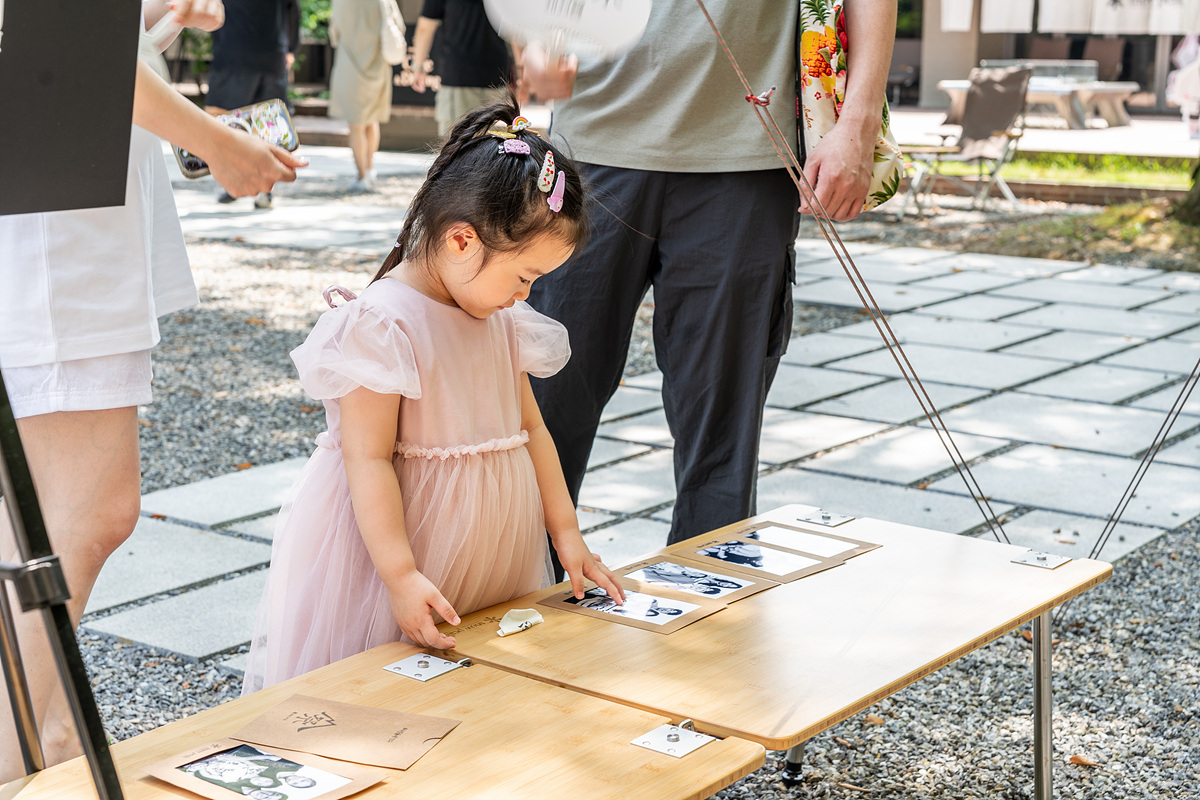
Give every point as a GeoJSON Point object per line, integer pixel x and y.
{"type": "Point", "coordinates": [1127, 671]}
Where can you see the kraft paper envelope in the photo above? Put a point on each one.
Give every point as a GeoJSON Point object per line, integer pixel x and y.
{"type": "Point", "coordinates": [374, 736]}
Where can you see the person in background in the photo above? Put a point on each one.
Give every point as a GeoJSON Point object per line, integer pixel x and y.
{"type": "Point", "coordinates": [697, 205]}
{"type": "Point", "coordinates": [360, 84]}
{"type": "Point", "coordinates": [473, 62]}
{"type": "Point", "coordinates": [79, 315]}
{"type": "Point", "coordinates": [252, 55]}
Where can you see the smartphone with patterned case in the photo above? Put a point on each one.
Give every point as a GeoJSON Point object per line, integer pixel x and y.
{"type": "Point", "coordinates": [269, 120]}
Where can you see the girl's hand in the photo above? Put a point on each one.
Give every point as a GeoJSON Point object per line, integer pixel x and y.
{"type": "Point", "coordinates": [580, 563]}
{"type": "Point", "coordinates": [244, 164]}
{"type": "Point", "coordinates": [207, 15]}
{"type": "Point", "coordinates": [414, 601]}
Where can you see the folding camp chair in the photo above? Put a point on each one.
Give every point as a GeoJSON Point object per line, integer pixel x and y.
{"type": "Point", "coordinates": [990, 120]}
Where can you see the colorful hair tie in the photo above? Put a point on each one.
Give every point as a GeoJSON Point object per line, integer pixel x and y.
{"type": "Point", "coordinates": [514, 147]}
{"type": "Point", "coordinates": [546, 179]}
{"type": "Point", "coordinates": [555, 200]}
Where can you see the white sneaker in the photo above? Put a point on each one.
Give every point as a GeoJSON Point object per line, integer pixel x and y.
{"type": "Point", "coordinates": [263, 200]}
{"type": "Point", "coordinates": [362, 186]}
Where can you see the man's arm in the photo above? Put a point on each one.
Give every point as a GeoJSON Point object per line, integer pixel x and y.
{"type": "Point", "coordinates": [840, 167]}
{"type": "Point", "coordinates": [422, 43]}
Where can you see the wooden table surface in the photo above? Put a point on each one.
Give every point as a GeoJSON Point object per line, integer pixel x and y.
{"type": "Point", "coordinates": [782, 665]}
{"type": "Point", "coordinates": [519, 738]}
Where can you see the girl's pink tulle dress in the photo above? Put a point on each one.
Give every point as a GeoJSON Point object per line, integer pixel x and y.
{"type": "Point", "coordinates": [472, 508]}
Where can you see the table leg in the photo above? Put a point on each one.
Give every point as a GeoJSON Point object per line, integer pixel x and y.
{"type": "Point", "coordinates": [792, 766]}
{"type": "Point", "coordinates": [1043, 727]}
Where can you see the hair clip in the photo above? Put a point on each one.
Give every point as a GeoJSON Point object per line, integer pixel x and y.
{"type": "Point", "coordinates": [514, 147]}
{"type": "Point", "coordinates": [518, 124]}
{"type": "Point", "coordinates": [555, 200]}
{"type": "Point", "coordinates": [546, 178]}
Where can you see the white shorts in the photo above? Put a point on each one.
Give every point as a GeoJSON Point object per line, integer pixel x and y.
{"type": "Point", "coordinates": [89, 384]}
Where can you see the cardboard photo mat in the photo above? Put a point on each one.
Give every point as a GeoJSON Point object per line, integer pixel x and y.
{"type": "Point", "coordinates": [331, 780]}
{"type": "Point", "coordinates": [818, 544]}
{"type": "Point", "coordinates": [742, 556]}
{"type": "Point", "coordinates": [378, 737]}
{"type": "Point", "coordinates": [694, 579]}
{"type": "Point", "coordinates": [650, 608]}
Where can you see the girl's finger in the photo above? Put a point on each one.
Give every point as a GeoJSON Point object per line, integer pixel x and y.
{"type": "Point", "coordinates": [443, 607]}
{"type": "Point", "coordinates": [577, 584]}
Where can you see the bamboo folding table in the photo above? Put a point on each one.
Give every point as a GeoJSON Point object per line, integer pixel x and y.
{"type": "Point", "coordinates": [518, 739]}
{"type": "Point", "coordinates": [782, 665]}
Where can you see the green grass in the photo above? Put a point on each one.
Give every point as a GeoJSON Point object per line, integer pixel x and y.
{"type": "Point", "coordinates": [1092, 169]}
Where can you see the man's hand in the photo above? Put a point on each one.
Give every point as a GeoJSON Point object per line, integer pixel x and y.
{"type": "Point", "coordinates": [839, 169]}
{"type": "Point", "coordinates": [545, 77]}
{"type": "Point", "coordinates": [207, 15]}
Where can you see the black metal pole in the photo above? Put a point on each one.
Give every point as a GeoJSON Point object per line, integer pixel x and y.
{"type": "Point", "coordinates": [33, 544]}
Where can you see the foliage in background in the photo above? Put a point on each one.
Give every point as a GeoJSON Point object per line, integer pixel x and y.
{"type": "Point", "coordinates": [908, 20]}
{"type": "Point", "coordinates": [1173, 173]}
{"type": "Point", "coordinates": [314, 20]}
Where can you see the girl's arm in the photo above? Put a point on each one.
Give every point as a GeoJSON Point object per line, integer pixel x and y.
{"type": "Point", "coordinates": [369, 424]}
{"type": "Point", "coordinates": [241, 163]}
{"type": "Point", "coordinates": [561, 522]}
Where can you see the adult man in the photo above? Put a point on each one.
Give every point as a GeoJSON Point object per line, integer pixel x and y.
{"type": "Point", "coordinates": [474, 65]}
{"type": "Point", "coordinates": [252, 54]}
{"type": "Point", "coordinates": [693, 201]}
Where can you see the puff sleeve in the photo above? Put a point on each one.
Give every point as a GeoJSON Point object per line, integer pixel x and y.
{"type": "Point", "coordinates": [543, 347]}
{"type": "Point", "coordinates": [356, 345]}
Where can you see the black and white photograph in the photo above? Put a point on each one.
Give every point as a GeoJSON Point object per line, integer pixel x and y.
{"type": "Point", "coordinates": [793, 539]}
{"type": "Point", "coordinates": [693, 580]}
{"type": "Point", "coordinates": [748, 555]}
{"type": "Point", "coordinates": [250, 772]}
{"type": "Point", "coordinates": [642, 607]}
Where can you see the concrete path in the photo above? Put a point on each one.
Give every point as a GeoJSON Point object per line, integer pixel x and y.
{"type": "Point", "coordinates": [1053, 377]}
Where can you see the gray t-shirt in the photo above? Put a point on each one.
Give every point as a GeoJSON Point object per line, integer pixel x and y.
{"type": "Point", "coordinates": [674, 103]}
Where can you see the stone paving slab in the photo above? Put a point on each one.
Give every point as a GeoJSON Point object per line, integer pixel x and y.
{"type": "Point", "coordinates": [894, 401]}
{"type": "Point", "coordinates": [649, 380]}
{"type": "Point", "coordinates": [796, 386]}
{"type": "Point", "coordinates": [198, 624]}
{"type": "Point", "coordinates": [606, 451]}
{"type": "Point", "coordinates": [873, 271]}
{"type": "Point", "coordinates": [648, 428]}
{"type": "Point", "coordinates": [983, 370]}
{"type": "Point", "coordinates": [1118, 430]}
{"type": "Point", "coordinates": [631, 486]}
{"type": "Point", "coordinates": [628, 541]}
{"type": "Point", "coordinates": [1074, 346]}
{"type": "Point", "coordinates": [1167, 356]}
{"type": "Point", "coordinates": [862, 498]}
{"type": "Point", "coordinates": [789, 435]}
{"type": "Point", "coordinates": [1188, 303]}
{"type": "Point", "coordinates": [969, 281]}
{"type": "Point", "coordinates": [820, 348]}
{"type": "Point", "coordinates": [590, 519]}
{"type": "Point", "coordinates": [1075, 536]}
{"type": "Point", "coordinates": [982, 307]}
{"type": "Point", "coordinates": [890, 297]}
{"type": "Point", "coordinates": [1099, 383]}
{"type": "Point", "coordinates": [1016, 266]}
{"type": "Point", "coordinates": [909, 255]}
{"type": "Point", "coordinates": [1108, 273]}
{"type": "Point", "coordinates": [161, 556]}
{"type": "Point", "coordinates": [1061, 290]}
{"type": "Point", "coordinates": [263, 527]}
{"type": "Point", "coordinates": [946, 331]}
{"type": "Point", "coordinates": [905, 455]}
{"type": "Point", "coordinates": [816, 249]}
{"type": "Point", "coordinates": [1095, 320]}
{"type": "Point", "coordinates": [1190, 335]}
{"type": "Point", "coordinates": [1084, 483]}
{"type": "Point", "coordinates": [1185, 453]}
{"type": "Point", "coordinates": [1174, 281]}
{"type": "Point", "coordinates": [629, 400]}
{"type": "Point", "coordinates": [228, 497]}
{"type": "Point", "coordinates": [353, 225]}
{"type": "Point", "coordinates": [1164, 400]}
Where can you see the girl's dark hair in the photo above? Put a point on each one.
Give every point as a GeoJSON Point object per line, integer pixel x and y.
{"type": "Point", "coordinates": [496, 193]}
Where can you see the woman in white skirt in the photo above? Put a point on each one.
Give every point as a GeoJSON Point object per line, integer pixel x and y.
{"type": "Point", "coordinates": [78, 316]}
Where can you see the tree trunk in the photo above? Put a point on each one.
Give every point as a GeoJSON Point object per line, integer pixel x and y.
{"type": "Point", "coordinates": [1188, 209]}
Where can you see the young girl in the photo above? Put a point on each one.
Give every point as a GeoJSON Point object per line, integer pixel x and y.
{"type": "Point", "coordinates": [431, 492]}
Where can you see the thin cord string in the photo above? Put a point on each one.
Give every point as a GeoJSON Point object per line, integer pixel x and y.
{"type": "Point", "coordinates": [792, 165]}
